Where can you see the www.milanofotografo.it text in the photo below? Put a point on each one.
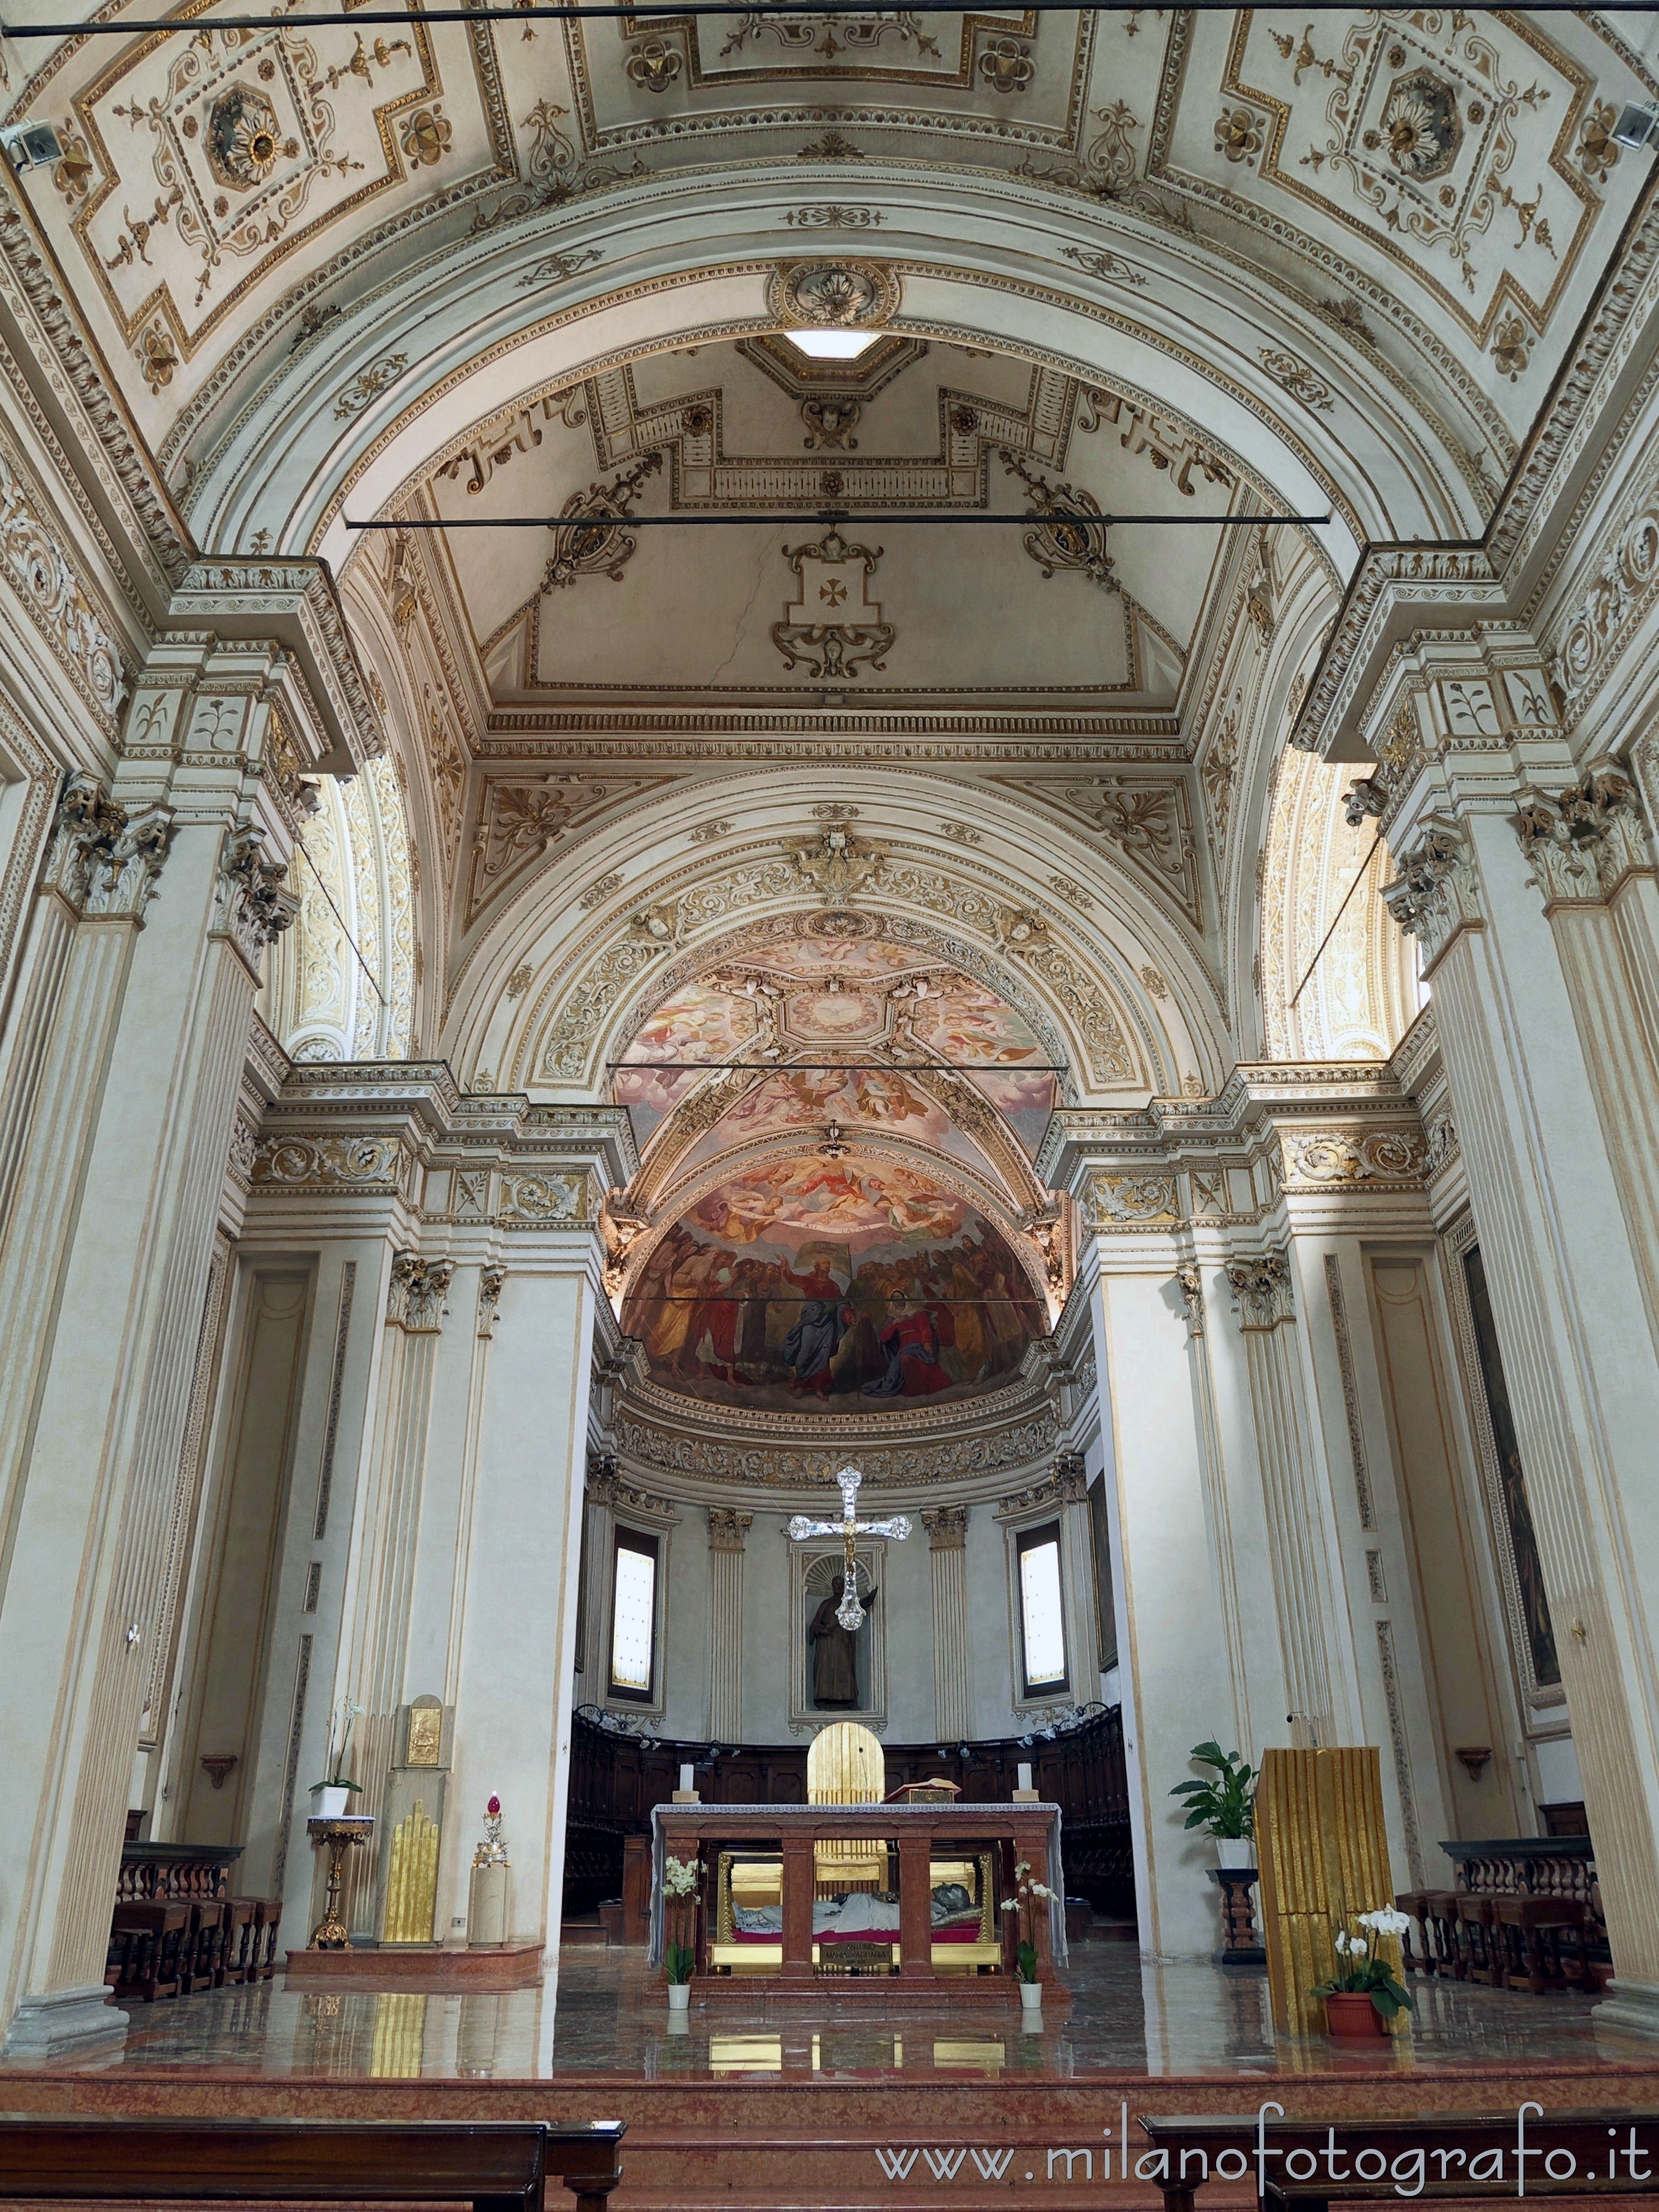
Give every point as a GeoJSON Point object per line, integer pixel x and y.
{"type": "Point", "coordinates": [1405, 2169]}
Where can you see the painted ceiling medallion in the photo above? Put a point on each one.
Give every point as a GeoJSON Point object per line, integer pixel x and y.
{"type": "Point", "coordinates": [1421, 130]}
{"type": "Point", "coordinates": [243, 137]}
{"type": "Point", "coordinates": [846, 295]}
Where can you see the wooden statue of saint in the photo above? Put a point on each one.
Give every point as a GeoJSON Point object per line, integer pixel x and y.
{"type": "Point", "coordinates": [835, 1651]}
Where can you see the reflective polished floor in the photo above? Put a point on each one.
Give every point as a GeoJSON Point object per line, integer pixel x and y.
{"type": "Point", "coordinates": [603, 2016]}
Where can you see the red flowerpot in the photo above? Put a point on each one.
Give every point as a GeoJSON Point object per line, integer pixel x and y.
{"type": "Point", "coordinates": [1350, 2013]}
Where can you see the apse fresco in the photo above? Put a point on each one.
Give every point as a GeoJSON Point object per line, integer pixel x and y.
{"type": "Point", "coordinates": [844, 1283]}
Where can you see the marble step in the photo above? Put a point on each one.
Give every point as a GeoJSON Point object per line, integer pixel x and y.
{"type": "Point", "coordinates": [664, 2169]}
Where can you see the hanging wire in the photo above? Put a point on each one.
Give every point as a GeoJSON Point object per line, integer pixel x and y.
{"type": "Point", "coordinates": [1363, 867]}
{"type": "Point", "coordinates": [299, 846]}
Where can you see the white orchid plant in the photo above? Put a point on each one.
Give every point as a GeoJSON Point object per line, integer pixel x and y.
{"type": "Point", "coordinates": [1029, 1894]}
{"type": "Point", "coordinates": [339, 1722]}
{"type": "Point", "coordinates": [1362, 1971]}
{"type": "Point", "coordinates": [681, 1881]}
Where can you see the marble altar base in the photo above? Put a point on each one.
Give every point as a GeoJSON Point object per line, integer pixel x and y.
{"type": "Point", "coordinates": [515, 1967]}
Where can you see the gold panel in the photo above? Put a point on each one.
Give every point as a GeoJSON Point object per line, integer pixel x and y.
{"type": "Point", "coordinates": [412, 1887]}
{"type": "Point", "coordinates": [1322, 1850]}
{"type": "Point", "coordinates": [846, 1766]}
{"type": "Point", "coordinates": [426, 1725]}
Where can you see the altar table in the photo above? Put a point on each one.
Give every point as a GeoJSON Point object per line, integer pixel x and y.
{"type": "Point", "coordinates": [920, 1834]}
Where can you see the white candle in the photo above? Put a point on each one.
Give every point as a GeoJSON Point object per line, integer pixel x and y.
{"type": "Point", "coordinates": [685, 1777]}
{"type": "Point", "coordinates": [1025, 1776]}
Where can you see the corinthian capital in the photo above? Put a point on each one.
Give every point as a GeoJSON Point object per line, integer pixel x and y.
{"type": "Point", "coordinates": [1435, 895]}
{"type": "Point", "coordinates": [124, 879]}
{"type": "Point", "coordinates": [253, 907]}
{"type": "Point", "coordinates": [727, 1528]}
{"type": "Point", "coordinates": [102, 859]}
{"type": "Point", "coordinates": [84, 828]}
{"type": "Point", "coordinates": [1262, 1291]}
{"type": "Point", "coordinates": [946, 1527]}
{"type": "Point", "coordinates": [415, 1299]}
{"type": "Point", "coordinates": [1584, 842]}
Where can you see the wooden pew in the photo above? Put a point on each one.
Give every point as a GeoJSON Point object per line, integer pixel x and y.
{"type": "Point", "coordinates": [1309, 2164]}
{"type": "Point", "coordinates": [493, 2165]}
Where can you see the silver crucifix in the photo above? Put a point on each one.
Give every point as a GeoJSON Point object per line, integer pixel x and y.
{"type": "Point", "coordinates": [849, 1529]}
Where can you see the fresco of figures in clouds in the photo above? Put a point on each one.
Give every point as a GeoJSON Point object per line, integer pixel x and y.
{"type": "Point", "coordinates": [847, 1000]}
{"type": "Point", "coordinates": [841, 1284]}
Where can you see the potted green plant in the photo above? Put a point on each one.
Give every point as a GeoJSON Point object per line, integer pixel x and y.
{"type": "Point", "coordinates": [680, 1881]}
{"type": "Point", "coordinates": [1365, 1994]}
{"type": "Point", "coordinates": [1224, 1805]}
{"type": "Point", "coordinates": [1029, 1894]}
{"type": "Point", "coordinates": [330, 1799]}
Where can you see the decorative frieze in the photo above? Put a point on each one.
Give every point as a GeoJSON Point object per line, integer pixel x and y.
{"type": "Point", "coordinates": [1136, 1198]}
{"type": "Point", "coordinates": [1584, 842]}
{"type": "Point", "coordinates": [57, 600]}
{"type": "Point", "coordinates": [252, 903]}
{"type": "Point", "coordinates": [1333, 1158]}
{"type": "Point", "coordinates": [415, 1299]}
{"type": "Point", "coordinates": [1262, 1291]}
{"type": "Point", "coordinates": [1622, 588]}
{"type": "Point", "coordinates": [358, 1164]}
{"type": "Point", "coordinates": [1435, 894]}
{"type": "Point", "coordinates": [542, 1197]}
{"type": "Point", "coordinates": [1440, 1146]}
{"type": "Point", "coordinates": [777, 1466]}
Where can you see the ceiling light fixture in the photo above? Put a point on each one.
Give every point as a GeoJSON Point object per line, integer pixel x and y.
{"type": "Point", "coordinates": [30, 145]}
{"type": "Point", "coordinates": [1638, 126]}
{"type": "Point", "coordinates": [832, 344]}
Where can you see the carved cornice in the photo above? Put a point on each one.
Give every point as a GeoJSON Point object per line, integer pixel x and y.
{"type": "Point", "coordinates": [102, 409]}
{"type": "Point", "coordinates": [294, 601]}
{"type": "Point", "coordinates": [1391, 581]}
{"type": "Point", "coordinates": [605, 1487]}
{"type": "Point", "coordinates": [1583, 843]}
{"type": "Point", "coordinates": [415, 1296]}
{"type": "Point", "coordinates": [1067, 1485]}
{"type": "Point", "coordinates": [1262, 1291]}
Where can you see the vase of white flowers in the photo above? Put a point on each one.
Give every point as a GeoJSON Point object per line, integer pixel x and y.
{"type": "Point", "coordinates": [1029, 1895]}
{"type": "Point", "coordinates": [680, 1884]}
{"type": "Point", "coordinates": [1364, 1996]}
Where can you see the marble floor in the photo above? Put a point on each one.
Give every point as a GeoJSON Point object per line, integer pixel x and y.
{"type": "Point", "coordinates": [602, 2015]}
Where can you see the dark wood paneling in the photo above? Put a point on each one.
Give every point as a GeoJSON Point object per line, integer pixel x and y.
{"type": "Point", "coordinates": [614, 1780]}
